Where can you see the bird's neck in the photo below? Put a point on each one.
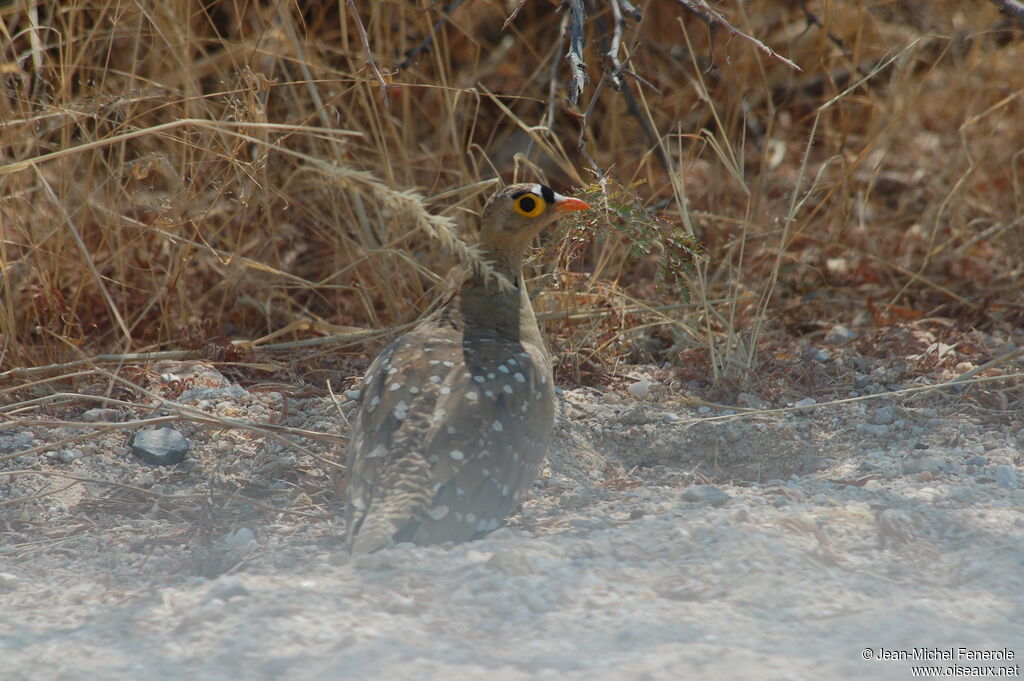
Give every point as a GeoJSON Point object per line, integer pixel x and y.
{"type": "Point", "coordinates": [486, 305]}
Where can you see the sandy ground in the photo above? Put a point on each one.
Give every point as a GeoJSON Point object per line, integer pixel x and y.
{"type": "Point", "coordinates": [667, 539]}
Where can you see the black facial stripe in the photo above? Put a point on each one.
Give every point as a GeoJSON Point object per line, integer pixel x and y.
{"type": "Point", "coordinates": [548, 193]}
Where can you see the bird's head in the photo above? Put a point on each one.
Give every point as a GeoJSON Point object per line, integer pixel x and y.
{"type": "Point", "coordinates": [515, 214]}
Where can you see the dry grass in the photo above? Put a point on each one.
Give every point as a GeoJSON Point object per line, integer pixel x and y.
{"type": "Point", "coordinates": [179, 175]}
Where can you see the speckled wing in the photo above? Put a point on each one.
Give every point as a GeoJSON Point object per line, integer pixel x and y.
{"type": "Point", "coordinates": [450, 433]}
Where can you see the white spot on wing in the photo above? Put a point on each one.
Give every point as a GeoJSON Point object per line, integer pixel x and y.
{"type": "Point", "coordinates": [438, 513]}
{"type": "Point", "coordinates": [497, 426]}
{"type": "Point", "coordinates": [457, 454]}
{"type": "Point", "coordinates": [519, 377]}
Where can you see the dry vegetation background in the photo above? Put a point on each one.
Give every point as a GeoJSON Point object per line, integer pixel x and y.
{"type": "Point", "coordinates": [230, 180]}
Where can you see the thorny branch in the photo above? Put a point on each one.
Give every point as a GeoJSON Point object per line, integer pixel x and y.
{"type": "Point", "coordinates": [369, 54]}
{"type": "Point", "coordinates": [701, 10]}
{"type": "Point", "coordinates": [577, 67]}
{"type": "Point", "coordinates": [512, 16]}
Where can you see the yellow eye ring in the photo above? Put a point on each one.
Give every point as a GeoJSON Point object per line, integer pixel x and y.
{"type": "Point", "coordinates": [529, 205]}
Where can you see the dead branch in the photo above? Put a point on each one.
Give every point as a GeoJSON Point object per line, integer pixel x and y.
{"type": "Point", "coordinates": [369, 54]}
{"type": "Point", "coordinates": [701, 10]}
{"type": "Point", "coordinates": [577, 66]}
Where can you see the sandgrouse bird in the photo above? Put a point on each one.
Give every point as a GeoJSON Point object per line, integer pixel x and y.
{"type": "Point", "coordinates": [455, 416]}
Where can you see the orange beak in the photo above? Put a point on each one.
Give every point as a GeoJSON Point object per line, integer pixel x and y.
{"type": "Point", "coordinates": [564, 204]}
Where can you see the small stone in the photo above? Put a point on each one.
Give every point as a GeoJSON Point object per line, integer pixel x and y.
{"type": "Point", "coordinates": [925, 463]}
{"type": "Point", "coordinates": [160, 447]}
{"type": "Point", "coordinates": [8, 582]}
{"type": "Point", "coordinates": [225, 588]}
{"type": "Point", "coordinates": [352, 394]}
{"type": "Point", "coordinates": [1006, 476]}
{"type": "Point", "coordinates": [669, 418]}
{"type": "Point", "coordinates": [69, 455]}
{"type": "Point", "coordinates": [961, 494]}
{"type": "Point", "coordinates": [883, 416]}
{"type": "Point", "coordinates": [633, 416]}
{"type": "Point", "coordinates": [707, 494]}
{"type": "Point", "coordinates": [96, 415]}
{"type": "Point", "coordinates": [872, 430]}
{"type": "Point", "coordinates": [749, 401]}
{"type": "Point", "coordinates": [977, 461]}
{"type": "Point", "coordinates": [805, 403]}
{"type": "Point", "coordinates": [510, 562]}
{"type": "Point", "coordinates": [821, 355]}
{"type": "Point", "coordinates": [839, 334]}
{"type": "Point", "coordinates": [704, 410]}
{"type": "Point", "coordinates": [640, 388]}
{"type": "Point", "coordinates": [572, 499]}
{"type": "Point", "coordinates": [239, 540]}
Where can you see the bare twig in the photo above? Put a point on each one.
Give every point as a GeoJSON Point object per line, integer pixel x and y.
{"type": "Point", "coordinates": [630, 10]}
{"type": "Point", "coordinates": [512, 17]}
{"type": "Point", "coordinates": [612, 54]}
{"type": "Point", "coordinates": [577, 67]}
{"type": "Point", "coordinates": [701, 10]}
{"type": "Point", "coordinates": [369, 54]}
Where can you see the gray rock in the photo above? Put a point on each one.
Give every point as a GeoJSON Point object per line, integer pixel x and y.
{"type": "Point", "coordinates": [805, 403]}
{"type": "Point", "coordinates": [8, 582]}
{"type": "Point", "coordinates": [226, 588]}
{"type": "Point", "coordinates": [232, 393]}
{"type": "Point", "coordinates": [872, 430]}
{"type": "Point", "coordinates": [510, 562]}
{"type": "Point", "coordinates": [96, 415]}
{"type": "Point", "coordinates": [839, 334]}
{"type": "Point", "coordinates": [749, 401]}
{"type": "Point", "coordinates": [705, 494]}
{"type": "Point", "coordinates": [640, 388]}
{"type": "Point", "coordinates": [633, 416]}
{"type": "Point", "coordinates": [160, 447]}
{"type": "Point", "coordinates": [69, 455]}
{"type": "Point", "coordinates": [883, 416]}
{"type": "Point", "coordinates": [1006, 476]}
{"type": "Point", "coordinates": [962, 494]}
{"type": "Point", "coordinates": [925, 463]}
{"type": "Point", "coordinates": [572, 499]}
{"type": "Point", "coordinates": [240, 540]}
{"type": "Point", "coordinates": [821, 355]}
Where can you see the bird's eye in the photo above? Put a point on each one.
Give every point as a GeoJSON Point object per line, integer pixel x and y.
{"type": "Point", "coordinates": [530, 205]}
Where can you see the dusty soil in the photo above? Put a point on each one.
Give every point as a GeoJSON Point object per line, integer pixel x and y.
{"type": "Point", "coordinates": [669, 537]}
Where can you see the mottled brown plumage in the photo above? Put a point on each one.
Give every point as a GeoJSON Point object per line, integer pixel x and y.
{"type": "Point", "coordinates": [455, 416]}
